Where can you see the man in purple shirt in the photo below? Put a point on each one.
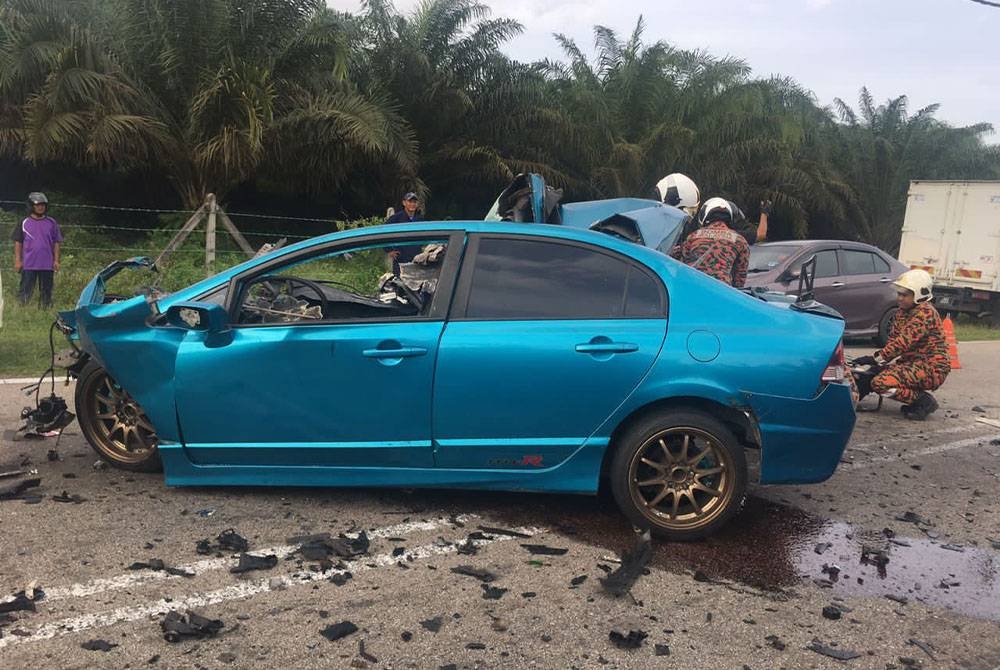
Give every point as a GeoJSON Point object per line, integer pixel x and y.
{"type": "Point", "coordinates": [36, 250]}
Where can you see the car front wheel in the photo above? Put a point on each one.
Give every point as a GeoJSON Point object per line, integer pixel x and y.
{"type": "Point", "coordinates": [680, 473]}
{"type": "Point", "coordinates": [114, 423]}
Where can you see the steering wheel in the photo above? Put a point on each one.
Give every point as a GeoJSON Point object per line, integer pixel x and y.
{"type": "Point", "coordinates": [412, 296]}
{"type": "Point", "coordinates": [269, 285]}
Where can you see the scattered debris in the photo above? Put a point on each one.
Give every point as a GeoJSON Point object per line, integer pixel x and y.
{"type": "Point", "coordinates": [17, 473]}
{"type": "Point", "coordinates": [661, 650]}
{"type": "Point", "coordinates": [227, 540]}
{"type": "Point", "coordinates": [470, 571]}
{"type": "Point", "coordinates": [250, 562]}
{"type": "Point", "coordinates": [65, 497]}
{"type": "Point", "coordinates": [979, 409]}
{"type": "Point", "coordinates": [925, 647]}
{"type": "Point", "coordinates": [14, 491]}
{"type": "Point", "coordinates": [831, 612]}
{"type": "Point", "coordinates": [633, 563]}
{"type": "Point", "coordinates": [98, 645]}
{"type": "Point", "coordinates": [492, 592]}
{"type": "Point", "coordinates": [833, 571]}
{"type": "Point", "coordinates": [821, 547]}
{"type": "Point", "coordinates": [364, 654]}
{"type": "Point", "coordinates": [543, 550]}
{"type": "Point", "coordinates": [336, 631]}
{"type": "Point", "coordinates": [839, 654]}
{"type": "Point", "coordinates": [433, 625]}
{"type": "Point", "coordinates": [948, 583]}
{"type": "Point", "coordinates": [23, 601]}
{"type": "Point", "coordinates": [341, 578]}
{"type": "Point", "coordinates": [205, 513]}
{"type": "Point", "coordinates": [775, 642]}
{"type": "Point", "coordinates": [627, 640]}
{"type": "Point", "coordinates": [902, 600]}
{"type": "Point", "coordinates": [406, 636]}
{"type": "Point", "coordinates": [52, 456]}
{"type": "Point", "coordinates": [322, 545]}
{"type": "Point", "coordinates": [576, 581]}
{"type": "Point", "coordinates": [476, 646]}
{"type": "Point", "coordinates": [160, 566]}
{"type": "Point", "coordinates": [100, 465]}
{"type": "Point", "coordinates": [875, 556]}
{"type": "Point", "coordinates": [953, 547]}
{"type": "Point", "coordinates": [503, 531]}
{"type": "Point", "coordinates": [177, 627]}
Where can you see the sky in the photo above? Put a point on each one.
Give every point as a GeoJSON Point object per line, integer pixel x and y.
{"type": "Point", "coordinates": [933, 51]}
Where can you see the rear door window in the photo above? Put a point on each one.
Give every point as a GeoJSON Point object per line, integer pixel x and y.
{"type": "Point", "coordinates": [533, 279]}
{"type": "Point", "coordinates": [858, 262]}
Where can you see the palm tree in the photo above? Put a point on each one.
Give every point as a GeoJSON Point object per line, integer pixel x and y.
{"type": "Point", "coordinates": [204, 93]}
{"type": "Point", "coordinates": [880, 148]}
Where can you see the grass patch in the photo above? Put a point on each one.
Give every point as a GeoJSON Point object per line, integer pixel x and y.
{"type": "Point", "coordinates": [969, 329]}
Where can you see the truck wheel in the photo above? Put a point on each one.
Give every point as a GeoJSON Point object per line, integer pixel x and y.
{"type": "Point", "coordinates": [995, 312]}
{"type": "Point", "coordinates": [114, 423]}
{"type": "Point", "coordinates": [680, 473]}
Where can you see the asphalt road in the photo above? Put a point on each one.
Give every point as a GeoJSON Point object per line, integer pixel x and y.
{"type": "Point", "coordinates": [925, 494]}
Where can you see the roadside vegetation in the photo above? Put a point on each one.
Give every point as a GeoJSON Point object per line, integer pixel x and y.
{"type": "Point", "coordinates": [287, 108]}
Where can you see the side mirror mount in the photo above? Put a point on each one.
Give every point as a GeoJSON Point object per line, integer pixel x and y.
{"type": "Point", "coordinates": [205, 317]}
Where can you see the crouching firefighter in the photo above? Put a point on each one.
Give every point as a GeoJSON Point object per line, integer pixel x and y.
{"type": "Point", "coordinates": [915, 359]}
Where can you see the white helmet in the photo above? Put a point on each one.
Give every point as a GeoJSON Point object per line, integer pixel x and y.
{"type": "Point", "coordinates": [716, 209]}
{"type": "Point", "coordinates": [678, 190]}
{"type": "Point", "coordinates": [918, 282]}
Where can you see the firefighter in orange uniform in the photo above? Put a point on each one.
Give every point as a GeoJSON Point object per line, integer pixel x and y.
{"type": "Point", "coordinates": [715, 248]}
{"type": "Point", "coordinates": [915, 359]}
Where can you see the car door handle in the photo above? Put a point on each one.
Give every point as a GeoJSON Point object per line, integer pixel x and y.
{"type": "Point", "coordinates": [836, 284]}
{"type": "Point", "coordinates": [401, 352]}
{"type": "Point", "coordinates": [607, 347]}
{"type": "Point", "coordinates": [884, 280]}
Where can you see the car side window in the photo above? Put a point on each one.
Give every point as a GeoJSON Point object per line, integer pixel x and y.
{"type": "Point", "coordinates": [858, 262]}
{"type": "Point", "coordinates": [532, 279]}
{"type": "Point", "coordinates": [881, 265]}
{"type": "Point", "coordinates": [364, 282]}
{"type": "Point", "coordinates": [826, 264]}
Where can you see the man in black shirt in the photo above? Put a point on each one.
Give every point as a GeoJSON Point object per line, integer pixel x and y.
{"type": "Point", "coordinates": [409, 214]}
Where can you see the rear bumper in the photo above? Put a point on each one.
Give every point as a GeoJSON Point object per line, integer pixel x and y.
{"type": "Point", "coordinates": [802, 441]}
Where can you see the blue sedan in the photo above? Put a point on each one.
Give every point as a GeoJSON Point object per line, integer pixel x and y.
{"type": "Point", "coordinates": [506, 356]}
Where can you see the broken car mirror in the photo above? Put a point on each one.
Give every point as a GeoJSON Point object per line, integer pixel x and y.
{"type": "Point", "coordinates": [202, 316]}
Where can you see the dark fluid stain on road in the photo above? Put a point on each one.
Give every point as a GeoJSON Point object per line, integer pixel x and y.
{"type": "Point", "coordinates": [774, 548]}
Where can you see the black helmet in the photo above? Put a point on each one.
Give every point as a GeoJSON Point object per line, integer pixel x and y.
{"type": "Point", "coordinates": [36, 198]}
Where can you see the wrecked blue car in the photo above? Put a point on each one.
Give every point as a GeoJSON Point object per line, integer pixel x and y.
{"type": "Point", "coordinates": [544, 357]}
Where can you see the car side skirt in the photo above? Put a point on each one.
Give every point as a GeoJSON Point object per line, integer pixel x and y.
{"type": "Point", "coordinates": [577, 474]}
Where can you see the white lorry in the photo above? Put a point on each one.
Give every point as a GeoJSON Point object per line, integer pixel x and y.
{"type": "Point", "coordinates": [952, 230]}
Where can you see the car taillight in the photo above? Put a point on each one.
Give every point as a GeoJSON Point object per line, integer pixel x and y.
{"type": "Point", "coordinates": [835, 368]}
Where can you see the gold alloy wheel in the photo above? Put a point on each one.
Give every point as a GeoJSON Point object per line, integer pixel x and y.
{"type": "Point", "coordinates": [118, 423]}
{"type": "Point", "coordinates": [681, 479]}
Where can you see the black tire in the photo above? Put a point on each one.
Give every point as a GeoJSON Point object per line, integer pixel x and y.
{"type": "Point", "coordinates": [113, 423]}
{"type": "Point", "coordinates": [883, 326]}
{"type": "Point", "coordinates": [995, 312]}
{"type": "Point", "coordinates": [704, 489]}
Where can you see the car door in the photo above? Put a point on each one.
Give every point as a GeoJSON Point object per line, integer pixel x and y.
{"type": "Point", "coordinates": [350, 388]}
{"type": "Point", "coordinates": [827, 282]}
{"type": "Point", "coordinates": [867, 290]}
{"type": "Point", "coordinates": [546, 339]}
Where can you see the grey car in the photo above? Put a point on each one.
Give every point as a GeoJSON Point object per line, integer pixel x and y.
{"type": "Point", "coordinates": [853, 278]}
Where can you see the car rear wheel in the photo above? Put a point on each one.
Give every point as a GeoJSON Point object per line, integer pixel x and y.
{"type": "Point", "coordinates": [680, 473]}
{"type": "Point", "coordinates": [114, 423]}
{"type": "Point", "coordinates": [884, 325]}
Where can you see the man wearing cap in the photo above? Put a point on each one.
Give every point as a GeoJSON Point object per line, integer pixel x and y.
{"type": "Point", "coordinates": [409, 214]}
{"type": "Point", "coordinates": [36, 250]}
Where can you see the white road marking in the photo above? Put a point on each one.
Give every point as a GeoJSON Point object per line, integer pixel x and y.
{"type": "Point", "coordinates": [928, 451]}
{"type": "Point", "coordinates": [145, 576]}
{"type": "Point", "coordinates": [963, 428]}
{"type": "Point", "coordinates": [235, 592]}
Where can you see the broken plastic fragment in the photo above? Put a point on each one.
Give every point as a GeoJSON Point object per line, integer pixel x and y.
{"type": "Point", "coordinates": [543, 550]}
{"type": "Point", "coordinates": [503, 531]}
{"type": "Point", "coordinates": [839, 654]}
{"type": "Point", "coordinates": [13, 491]}
{"type": "Point", "coordinates": [336, 631]}
{"type": "Point", "coordinates": [176, 626]}
{"type": "Point", "coordinates": [480, 574]}
{"type": "Point", "coordinates": [98, 645]}
{"type": "Point", "coordinates": [250, 562]}
{"type": "Point", "coordinates": [630, 640]}
{"type": "Point", "coordinates": [433, 625]}
{"type": "Point", "coordinates": [633, 563]}
{"type": "Point", "coordinates": [492, 592]}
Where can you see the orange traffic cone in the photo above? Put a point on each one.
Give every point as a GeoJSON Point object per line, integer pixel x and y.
{"type": "Point", "coordinates": [949, 336]}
